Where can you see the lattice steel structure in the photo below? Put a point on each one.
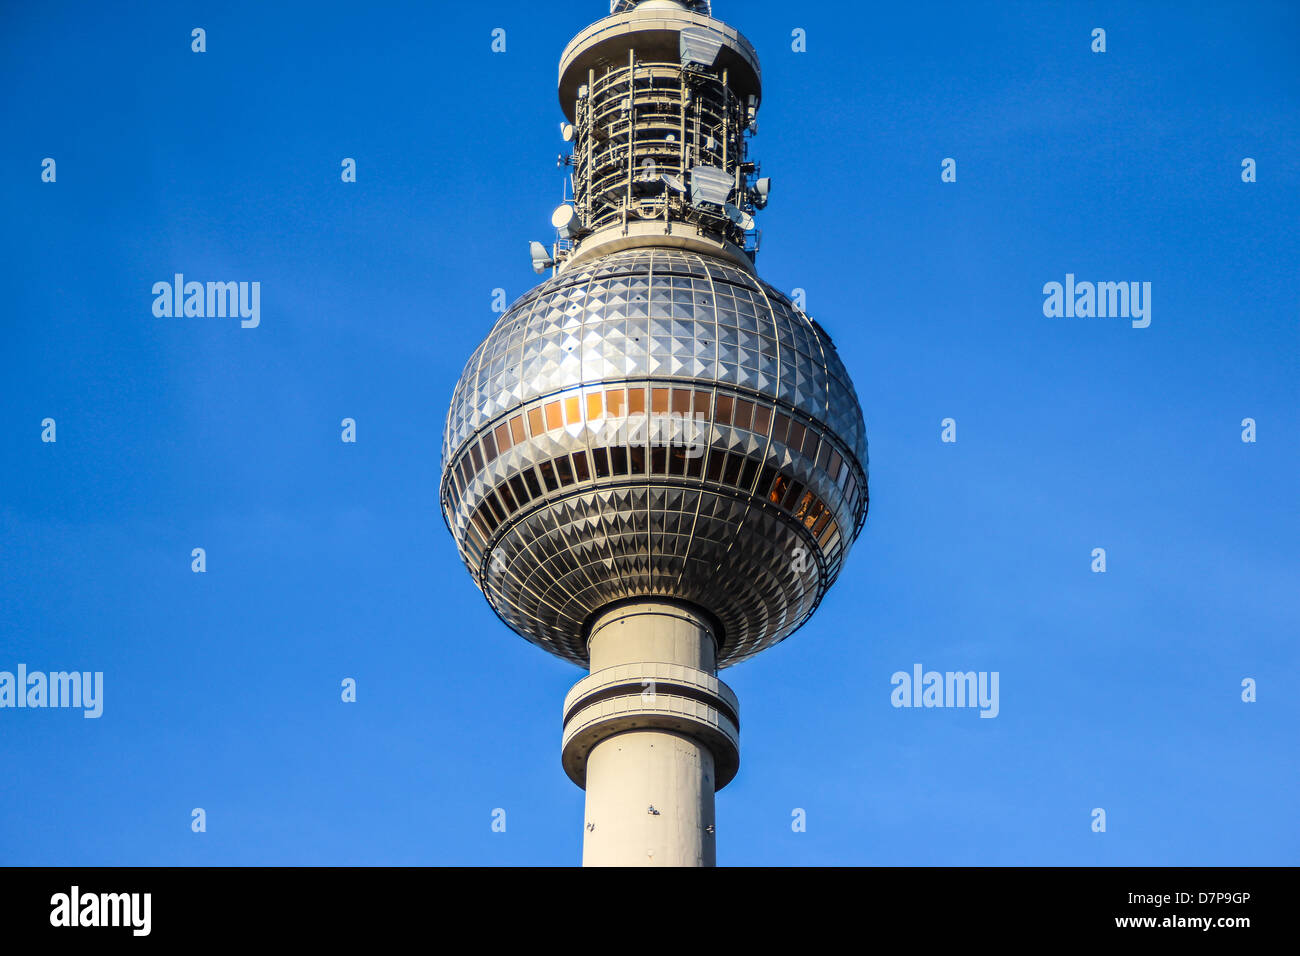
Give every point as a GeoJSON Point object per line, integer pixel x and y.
{"type": "Point", "coordinates": [655, 463]}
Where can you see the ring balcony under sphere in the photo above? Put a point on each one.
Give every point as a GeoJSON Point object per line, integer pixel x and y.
{"type": "Point", "coordinates": [654, 423]}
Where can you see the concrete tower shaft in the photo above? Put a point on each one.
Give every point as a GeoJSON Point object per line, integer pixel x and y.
{"type": "Point", "coordinates": [650, 735]}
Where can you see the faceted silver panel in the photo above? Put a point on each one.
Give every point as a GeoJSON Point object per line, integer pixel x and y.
{"type": "Point", "coordinates": [568, 540]}
{"type": "Point", "coordinates": [657, 313]}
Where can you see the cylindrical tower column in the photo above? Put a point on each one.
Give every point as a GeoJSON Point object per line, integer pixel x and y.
{"type": "Point", "coordinates": [651, 734]}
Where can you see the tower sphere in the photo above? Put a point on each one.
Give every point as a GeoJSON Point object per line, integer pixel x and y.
{"type": "Point", "coordinates": [654, 423]}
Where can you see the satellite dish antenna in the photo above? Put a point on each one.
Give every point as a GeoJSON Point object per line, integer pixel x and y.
{"type": "Point", "coordinates": [565, 219]}
{"type": "Point", "coordinates": [567, 132]}
{"type": "Point", "coordinates": [709, 184]}
{"type": "Point", "coordinates": [541, 259]}
{"type": "Point", "coordinates": [762, 189]}
{"type": "Point", "coordinates": [673, 182]}
{"type": "Point", "coordinates": [741, 218]}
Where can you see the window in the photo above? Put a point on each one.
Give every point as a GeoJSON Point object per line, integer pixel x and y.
{"type": "Point", "coordinates": [635, 401]}
{"type": "Point", "coordinates": [731, 474]}
{"type": "Point", "coordinates": [747, 473]}
{"type": "Point", "coordinates": [780, 426]}
{"type": "Point", "coordinates": [618, 457]}
{"type": "Point", "coordinates": [744, 413]}
{"type": "Point", "coordinates": [779, 487]}
{"type": "Point", "coordinates": [534, 487]}
{"type": "Point", "coordinates": [594, 409]}
{"type": "Point", "coordinates": [795, 438]}
{"type": "Point", "coordinates": [682, 401]}
{"type": "Point", "coordinates": [548, 475]}
{"type": "Point", "coordinates": [517, 428]}
{"type": "Point", "coordinates": [565, 470]}
{"type": "Point", "coordinates": [573, 410]}
{"type": "Point", "coordinates": [659, 400]}
{"type": "Point", "coordinates": [553, 418]}
{"type": "Point", "coordinates": [791, 496]}
{"type": "Point", "coordinates": [535, 422]}
{"type": "Point", "coordinates": [521, 492]}
{"type": "Point", "coordinates": [695, 466]}
{"type": "Point", "coordinates": [677, 460]}
{"type": "Point", "coordinates": [503, 438]}
{"type": "Point", "coordinates": [601, 460]}
{"type": "Point", "coordinates": [723, 416]}
{"type": "Point", "coordinates": [716, 461]}
{"type": "Point", "coordinates": [508, 499]}
{"type": "Point", "coordinates": [580, 468]}
{"type": "Point", "coordinates": [489, 448]}
{"type": "Point", "coordinates": [762, 419]}
{"type": "Point", "coordinates": [616, 400]}
{"type": "Point", "coordinates": [478, 533]}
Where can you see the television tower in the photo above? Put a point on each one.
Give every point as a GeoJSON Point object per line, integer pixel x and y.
{"type": "Point", "coordinates": [655, 463]}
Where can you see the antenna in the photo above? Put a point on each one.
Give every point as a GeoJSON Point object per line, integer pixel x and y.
{"type": "Point", "coordinates": [660, 102]}
{"type": "Point", "coordinates": [565, 220]}
{"type": "Point", "coordinates": [698, 46]}
{"type": "Point", "coordinates": [541, 259]}
{"type": "Point", "coordinates": [710, 185]}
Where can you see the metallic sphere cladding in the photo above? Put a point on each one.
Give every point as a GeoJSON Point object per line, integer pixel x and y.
{"type": "Point", "coordinates": [654, 423]}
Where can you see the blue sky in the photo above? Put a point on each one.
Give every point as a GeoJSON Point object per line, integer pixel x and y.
{"type": "Point", "coordinates": [326, 560]}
